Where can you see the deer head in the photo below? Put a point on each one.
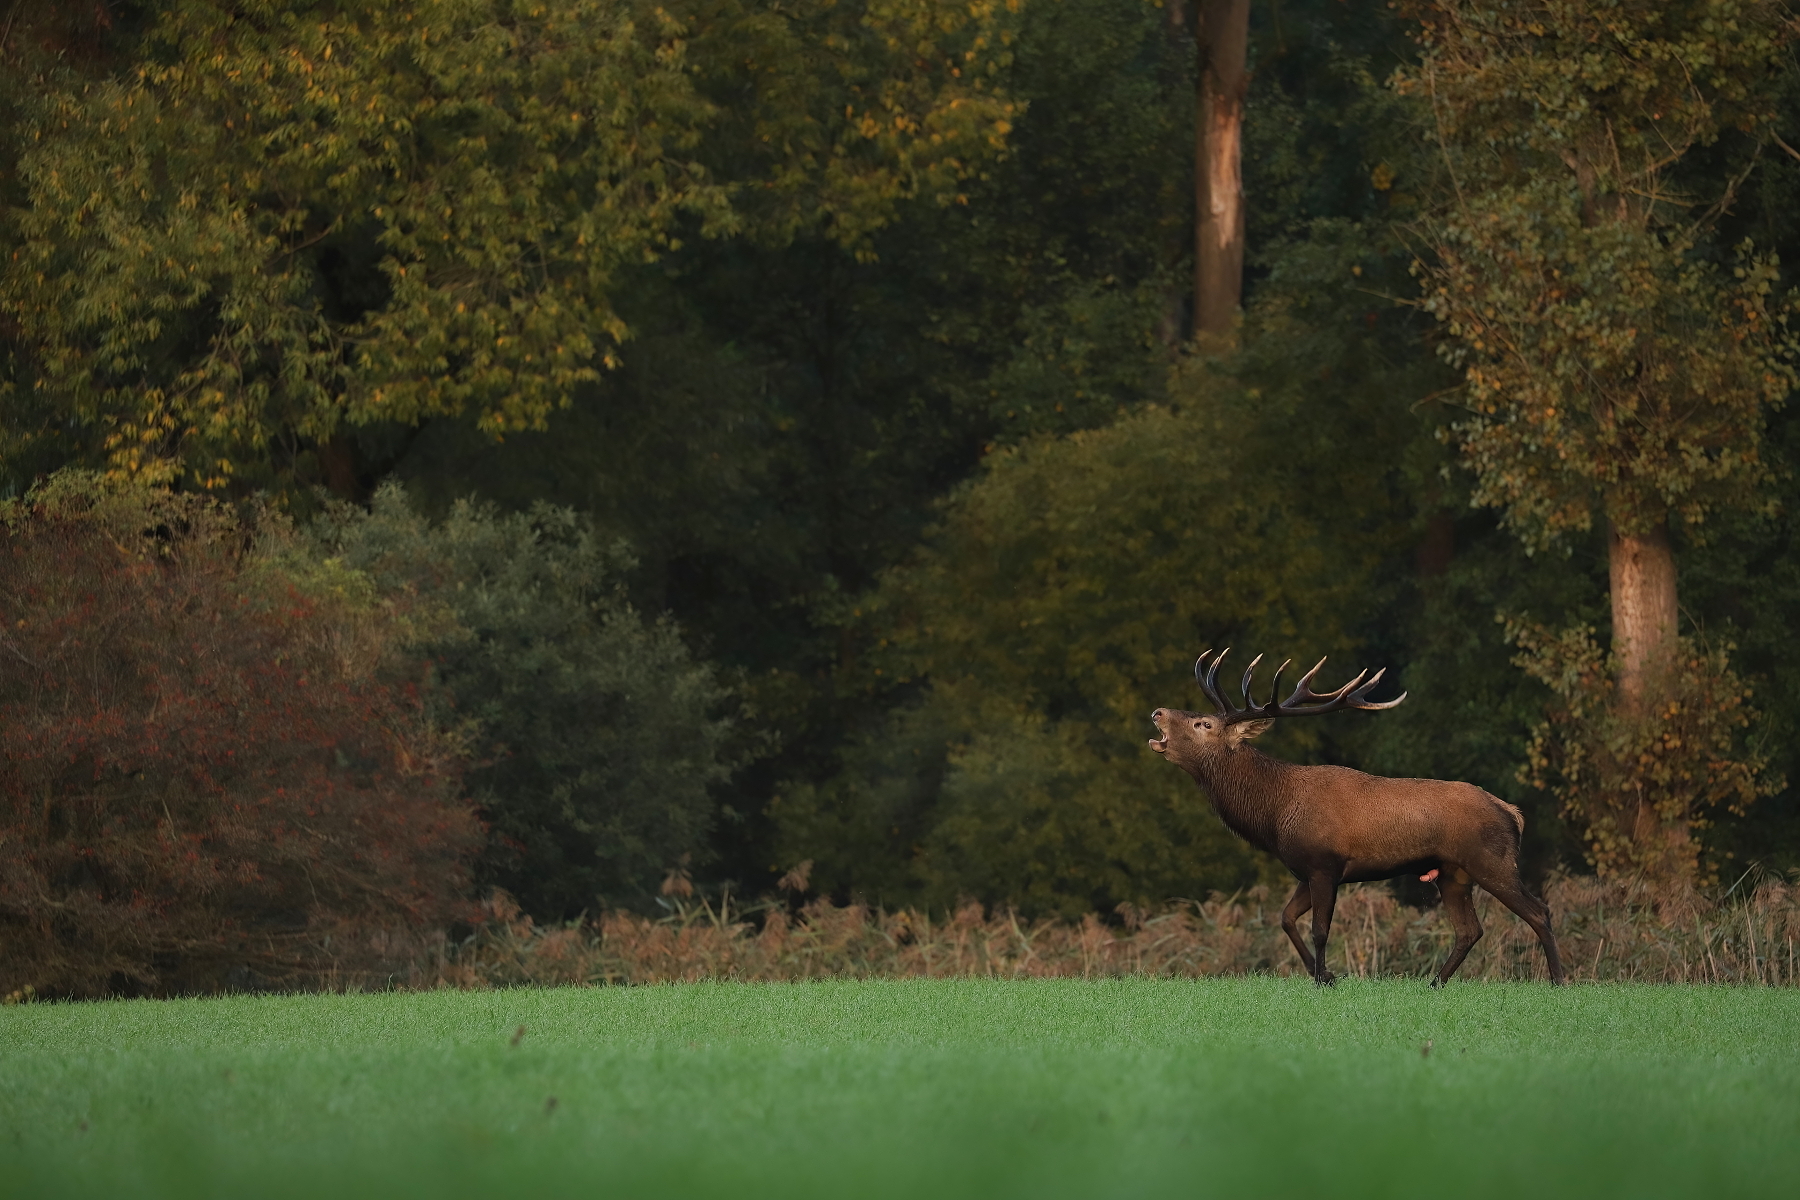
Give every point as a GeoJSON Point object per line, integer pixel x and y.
{"type": "Point", "coordinates": [1189, 738]}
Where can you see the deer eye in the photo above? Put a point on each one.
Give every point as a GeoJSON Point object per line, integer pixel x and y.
{"type": "Point", "coordinates": [1202, 724]}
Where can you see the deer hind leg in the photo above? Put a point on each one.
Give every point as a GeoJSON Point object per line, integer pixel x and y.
{"type": "Point", "coordinates": [1298, 905]}
{"type": "Point", "coordinates": [1535, 913]}
{"type": "Point", "coordinates": [1323, 890]}
{"type": "Point", "coordinates": [1459, 905]}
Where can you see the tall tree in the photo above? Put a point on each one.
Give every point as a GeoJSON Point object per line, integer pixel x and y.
{"type": "Point", "coordinates": [1614, 369]}
{"type": "Point", "coordinates": [1222, 34]}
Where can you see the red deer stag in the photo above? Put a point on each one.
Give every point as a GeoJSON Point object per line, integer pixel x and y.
{"type": "Point", "coordinates": [1332, 825]}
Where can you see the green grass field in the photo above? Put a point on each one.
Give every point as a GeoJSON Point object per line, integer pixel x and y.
{"type": "Point", "coordinates": [1236, 1087]}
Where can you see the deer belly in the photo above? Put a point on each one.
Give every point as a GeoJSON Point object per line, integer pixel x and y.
{"type": "Point", "coordinates": [1369, 872]}
{"type": "Point", "coordinates": [1411, 845]}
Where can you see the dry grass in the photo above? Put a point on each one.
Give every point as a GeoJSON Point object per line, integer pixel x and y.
{"type": "Point", "coordinates": [1614, 932]}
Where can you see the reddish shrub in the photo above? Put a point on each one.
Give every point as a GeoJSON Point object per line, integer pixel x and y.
{"type": "Point", "coordinates": [211, 775]}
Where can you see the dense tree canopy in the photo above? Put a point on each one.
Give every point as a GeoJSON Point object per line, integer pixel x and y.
{"type": "Point", "coordinates": [795, 411]}
{"type": "Point", "coordinates": [279, 219]}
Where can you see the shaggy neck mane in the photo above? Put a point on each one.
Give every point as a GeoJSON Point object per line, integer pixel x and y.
{"type": "Point", "coordinates": [1248, 788]}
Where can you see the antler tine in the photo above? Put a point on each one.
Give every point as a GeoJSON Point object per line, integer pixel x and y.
{"type": "Point", "coordinates": [1358, 698]}
{"type": "Point", "coordinates": [1244, 687]}
{"type": "Point", "coordinates": [1303, 690]}
{"type": "Point", "coordinates": [1272, 707]}
{"type": "Point", "coordinates": [1210, 685]}
{"type": "Point", "coordinates": [1200, 673]}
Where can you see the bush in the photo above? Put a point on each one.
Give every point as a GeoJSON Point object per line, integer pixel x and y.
{"type": "Point", "coordinates": [210, 776]}
{"type": "Point", "coordinates": [598, 736]}
{"type": "Point", "coordinates": [1063, 595]}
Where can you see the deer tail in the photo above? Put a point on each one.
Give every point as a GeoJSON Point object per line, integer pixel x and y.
{"type": "Point", "coordinates": [1518, 818]}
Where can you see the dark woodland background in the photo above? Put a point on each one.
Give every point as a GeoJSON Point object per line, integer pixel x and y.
{"type": "Point", "coordinates": [897, 495]}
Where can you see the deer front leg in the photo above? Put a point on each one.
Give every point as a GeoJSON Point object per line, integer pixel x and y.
{"type": "Point", "coordinates": [1323, 889]}
{"type": "Point", "coordinates": [1297, 906]}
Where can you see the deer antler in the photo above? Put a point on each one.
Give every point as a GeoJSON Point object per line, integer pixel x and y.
{"type": "Point", "coordinates": [1304, 702]}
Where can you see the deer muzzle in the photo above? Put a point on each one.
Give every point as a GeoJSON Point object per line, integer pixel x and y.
{"type": "Point", "coordinates": [1160, 745]}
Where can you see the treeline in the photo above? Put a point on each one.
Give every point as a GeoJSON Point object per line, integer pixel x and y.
{"type": "Point", "coordinates": [725, 434]}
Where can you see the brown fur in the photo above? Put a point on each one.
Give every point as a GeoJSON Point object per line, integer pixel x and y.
{"type": "Point", "coordinates": [1332, 825]}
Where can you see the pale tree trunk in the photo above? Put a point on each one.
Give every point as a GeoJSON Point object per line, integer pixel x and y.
{"type": "Point", "coordinates": [1644, 616]}
{"type": "Point", "coordinates": [1644, 611]}
{"type": "Point", "coordinates": [1222, 32]}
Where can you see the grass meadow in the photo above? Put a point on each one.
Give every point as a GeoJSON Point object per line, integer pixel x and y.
{"type": "Point", "coordinates": [940, 1088]}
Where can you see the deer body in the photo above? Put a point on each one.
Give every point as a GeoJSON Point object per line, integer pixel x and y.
{"type": "Point", "coordinates": [1333, 825]}
{"type": "Point", "coordinates": [1310, 815]}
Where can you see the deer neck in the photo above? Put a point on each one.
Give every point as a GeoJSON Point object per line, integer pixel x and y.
{"type": "Point", "coordinates": [1247, 788]}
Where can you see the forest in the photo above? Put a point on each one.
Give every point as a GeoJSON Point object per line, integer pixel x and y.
{"type": "Point", "coordinates": [618, 452]}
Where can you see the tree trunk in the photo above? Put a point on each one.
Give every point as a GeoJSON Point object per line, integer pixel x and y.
{"type": "Point", "coordinates": [1644, 611]}
{"type": "Point", "coordinates": [1644, 614]}
{"type": "Point", "coordinates": [1222, 32]}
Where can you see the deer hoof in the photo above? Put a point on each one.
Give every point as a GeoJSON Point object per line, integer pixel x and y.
{"type": "Point", "coordinates": [1327, 979]}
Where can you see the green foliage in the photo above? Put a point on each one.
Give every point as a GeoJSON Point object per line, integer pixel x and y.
{"type": "Point", "coordinates": [1057, 602]}
{"type": "Point", "coordinates": [1613, 93]}
{"type": "Point", "coordinates": [292, 217]}
{"type": "Point", "coordinates": [1609, 365]}
{"type": "Point", "coordinates": [830, 113]}
{"type": "Point", "coordinates": [1064, 270]}
{"type": "Point", "coordinates": [1621, 776]}
{"type": "Point", "coordinates": [598, 736]}
{"type": "Point", "coordinates": [1743, 582]}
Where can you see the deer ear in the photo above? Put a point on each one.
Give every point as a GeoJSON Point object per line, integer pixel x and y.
{"type": "Point", "coordinates": [1250, 729]}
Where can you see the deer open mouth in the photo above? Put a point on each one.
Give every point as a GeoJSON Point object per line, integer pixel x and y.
{"type": "Point", "coordinates": [1159, 744]}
